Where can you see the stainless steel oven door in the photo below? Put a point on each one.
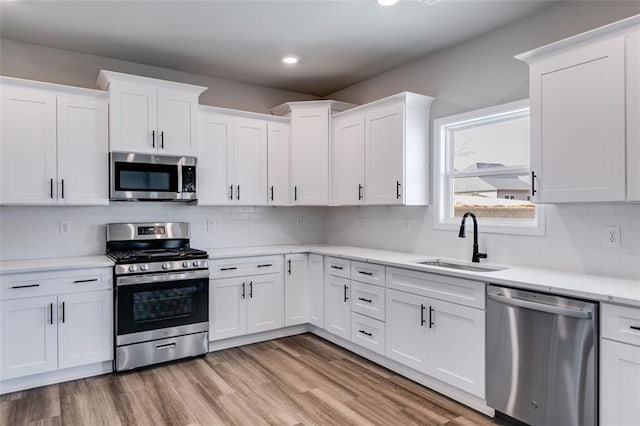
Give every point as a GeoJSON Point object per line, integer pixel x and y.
{"type": "Point", "coordinates": [156, 306]}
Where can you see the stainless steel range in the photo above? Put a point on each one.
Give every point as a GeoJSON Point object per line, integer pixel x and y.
{"type": "Point", "coordinates": [161, 293]}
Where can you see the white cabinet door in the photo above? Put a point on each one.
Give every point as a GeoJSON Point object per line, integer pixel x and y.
{"type": "Point", "coordinates": [85, 328]}
{"type": "Point", "coordinates": [83, 149]}
{"type": "Point", "coordinates": [177, 123]}
{"type": "Point", "coordinates": [215, 160]}
{"type": "Point", "coordinates": [578, 124]}
{"type": "Point", "coordinates": [384, 155]}
{"type": "Point", "coordinates": [348, 159]}
{"type": "Point", "coordinates": [619, 384]}
{"type": "Point", "coordinates": [227, 308]}
{"type": "Point", "coordinates": [250, 162]}
{"type": "Point", "coordinates": [633, 114]}
{"type": "Point", "coordinates": [133, 116]}
{"type": "Point", "coordinates": [278, 164]}
{"type": "Point", "coordinates": [296, 290]}
{"type": "Point", "coordinates": [316, 290]}
{"type": "Point", "coordinates": [337, 308]}
{"type": "Point", "coordinates": [310, 156]}
{"type": "Point", "coordinates": [456, 345]}
{"type": "Point", "coordinates": [407, 329]}
{"type": "Point", "coordinates": [265, 297]}
{"type": "Point", "coordinates": [28, 337]}
{"type": "Point", "coordinates": [28, 148]}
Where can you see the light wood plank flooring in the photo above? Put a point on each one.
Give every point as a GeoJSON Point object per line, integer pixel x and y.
{"type": "Point", "coordinates": [291, 381]}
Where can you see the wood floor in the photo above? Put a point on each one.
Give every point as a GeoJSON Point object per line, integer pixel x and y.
{"type": "Point", "coordinates": [295, 380]}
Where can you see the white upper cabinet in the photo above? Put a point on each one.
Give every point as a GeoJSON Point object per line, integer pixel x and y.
{"type": "Point", "coordinates": [633, 116]}
{"type": "Point", "coordinates": [215, 161]}
{"type": "Point", "coordinates": [60, 133]}
{"type": "Point", "coordinates": [278, 164]}
{"type": "Point", "coordinates": [250, 161]}
{"type": "Point", "coordinates": [581, 93]}
{"type": "Point", "coordinates": [381, 152]}
{"type": "Point", "coordinates": [151, 116]}
{"type": "Point", "coordinates": [348, 159]}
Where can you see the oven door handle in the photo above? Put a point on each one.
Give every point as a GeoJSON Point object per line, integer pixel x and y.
{"type": "Point", "coordinates": [163, 277]}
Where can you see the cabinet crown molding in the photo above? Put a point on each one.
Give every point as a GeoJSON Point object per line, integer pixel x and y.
{"type": "Point", "coordinates": [53, 87]}
{"type": "Point", "coordinates": [239, 113]}
{"type": "Point", "coordinates": [333, 106]}
{"type": "Point", "coordinates": [105, 78]}
{"type": "Point", "coordinates": [409, 98]}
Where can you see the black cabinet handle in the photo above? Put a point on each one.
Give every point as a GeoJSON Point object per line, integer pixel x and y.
{"type": "Point", "coordinates": [229, 269]}
{"type": "Point", "coordinates": [533, 183]}
{"type": "Point", "coordinates": [231, 192]}
{"type": "Point", "coordinates": [366, 273]}
{"type": "Point", "coordinates": [62, 188]}
{"type": "Point", "coordinates": [337, 267]}
{"type": "Point", "coordinates": [289, 263]}
{"type": "Point", "coordinates": [365, 333]}
{"type": "Point", "coordinates": [422, 321]}
{"type": "Point", "coordinates": [26, 286]}
{"type": "Point", "coordinates": [365, 300]}
{"type": "Point", "coordinates": [295, 193]}
{"type": "Point", "coordinates": [398, 184]}
{"type": "Point", "coordinates": [271, 192]}
{"type": "Point", "coordinates": [50, 313]}
{"type": "Point", "coordinates": [251, 289]}
{"type": "Point", "coordinates": [63, 312]}
{"type": "Point", "coordinates": [243, 288]}
{"type": "Point", "coordinates": [153, 138]}
{"type": "Point", "coordinates": [634, 327]}
{"type": "Point", "coordinates": [345, 293]}
{"type": "Point", "coordinates": [51, 187]}
{"type": "Point", "coordinates": [238, 193]}
{"type": "Point", "coordinates": [162, 139]}
{"type": "Point", "coordinates": [431, 317]}
{"type": "Point", "coordinates": [359, 192]}
{"type": "Point", "coordinates": [85, 281]}
{"type": "Point", "coordinates": [264, 265]}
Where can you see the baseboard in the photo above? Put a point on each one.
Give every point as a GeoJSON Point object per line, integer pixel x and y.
{"type": "Point", "coordinates": [248, 339]}
{"type": "Point", "coordinates": [456, 394]}
{"type": "Point", "coordinates": [53, 377]}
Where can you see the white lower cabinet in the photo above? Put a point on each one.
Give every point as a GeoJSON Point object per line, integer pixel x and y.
{"type": "Point", "coordinates": [619, 384]}
{"type": "Point", "coordinates": [264, 303]}
{"type": "Point", "coordinates": [368, 332]}
{"type": "Point", "coordinates": [337, 307]}
{"type": "Point", "coordinates": [296, 283]}
{"type": "Point", "coordinates": [316, 290]}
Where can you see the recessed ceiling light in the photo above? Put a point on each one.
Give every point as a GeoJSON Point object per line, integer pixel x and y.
{"type": "Point", "coordinates": [387, 2]}
{"type": "Point", "coordinates": [290, 59]}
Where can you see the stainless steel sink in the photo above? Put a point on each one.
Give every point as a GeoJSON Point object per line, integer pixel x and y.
{"type": "Point", "coordinates": [463, 266]}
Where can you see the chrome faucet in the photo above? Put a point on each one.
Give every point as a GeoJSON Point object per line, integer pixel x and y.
{"type": "Point", "coordinates": [476, 254]}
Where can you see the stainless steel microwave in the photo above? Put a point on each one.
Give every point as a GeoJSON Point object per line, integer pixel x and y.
{"type": "Point", "coordinates": [144, 177]}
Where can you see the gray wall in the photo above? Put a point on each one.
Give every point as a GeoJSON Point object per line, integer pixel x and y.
{"type": "Point", "coordinates": [36, 62]}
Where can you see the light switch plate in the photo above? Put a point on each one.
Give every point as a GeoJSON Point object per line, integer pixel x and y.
{"type": "Point", "coordinates": [65, 227]}
{"type": "Point", "coordinates": [612, 236]}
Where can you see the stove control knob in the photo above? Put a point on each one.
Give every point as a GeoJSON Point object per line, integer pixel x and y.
{"type": "Point", "coordinates": [166, 265]}
{"type": "Point", "coordinates": [133, 268]}
{"type": "Point", "coordinates": [185, 264]}
{"type": "Point", "coordinates": [196, 263]}
{"type": "Point", "coordinates": [144, 267]}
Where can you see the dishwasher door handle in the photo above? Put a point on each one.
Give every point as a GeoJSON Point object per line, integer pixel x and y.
{"type": "Point", "coordinates": [542, 307]}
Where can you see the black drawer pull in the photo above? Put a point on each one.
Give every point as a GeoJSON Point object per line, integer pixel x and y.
{"type": "Point", "coordinates": [365, 300]}
{"type": "Point", "coordinates": [345, 293]}
{"type": "Point", "coordinates": [398, 184]}
{"type": "Point", "coordinates": [231, 192]}
{"type": "Point", "coordinates": [251, 289]}
{"type": "Point", "coordinates": [365, 333]}
{"type": "Point", "coordinates": [271, 192]}
{"type": "Point", "coordinates": [431, 323]}
{"type": "Point", "coordinates": [337, 267]}
{"type": "Point", "coordinates": [63, 312]}
{"type": "Point", "coordinates": [289, 262]}
{"type": "Point", "coordinates": [264, 265]}
{"type": "Point", "coordinates": [243, 290]}
{"type": "Point", "coordinates": [366, 273]}
{"type": "Point", "coordinates": [85, 281]}
{"type": "Point", "coordinates": [422, 321]}
{"type": "Point", "coordinates": [229, 269]}
{"type": "Point", "coordinates": [533, 183]}
{"type": "Point", "coordinates": [26, 286]}
{"type": "Point", "coordinates": [50, 313]}
{"type": "Point", "coordinates": [635, 327]}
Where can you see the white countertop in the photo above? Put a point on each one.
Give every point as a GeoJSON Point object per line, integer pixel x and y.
{"type": "Point", "coordinates": [573, 284]}
{"type": "Point", "coordinates": [52, 264]}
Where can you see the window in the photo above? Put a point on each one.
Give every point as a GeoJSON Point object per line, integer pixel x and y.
{"type": "Point", "coordinates": [483, 166]}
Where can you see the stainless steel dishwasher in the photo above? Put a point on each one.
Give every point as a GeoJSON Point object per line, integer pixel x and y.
{"type": "Point", "coordinates": [542, 357]}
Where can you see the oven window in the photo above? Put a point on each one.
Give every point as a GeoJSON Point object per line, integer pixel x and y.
{"type": "Point", "coordinates": [146, 177]}
{"type": "Point", "coordinates": [157, 305]}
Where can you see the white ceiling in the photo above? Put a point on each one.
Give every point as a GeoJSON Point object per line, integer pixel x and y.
{"type": "Point", "coordinates": [340, 42]}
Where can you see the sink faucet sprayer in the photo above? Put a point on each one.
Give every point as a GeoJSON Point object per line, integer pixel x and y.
{"type": "Point", "coordinates": [476, 254]}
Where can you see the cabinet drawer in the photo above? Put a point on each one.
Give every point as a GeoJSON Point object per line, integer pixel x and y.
{"type": "Point", "coordinates": [456, 290]}
{"type": "Point", "coordinates": [368, 299]}
{"type": "Point", "coordinates": [621, 323]}
{"type": "Point", "coordinates": [245, 266]}
{"type": "Point", "coordinates": [337, 267]}
{"type": "Point", "coordinates": [15, 286]}
{"type": "Point", "coordinates": [368, 333]}
{"type": "Point", "coordinates": [367, 273]}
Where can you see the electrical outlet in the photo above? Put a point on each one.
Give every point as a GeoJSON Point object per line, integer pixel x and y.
{"type": "Point", "coordinates": [612, 236]}
{"type": "Point", "coordinates": [407, 225]}
{"type": "Point", "coordinates": [361, 222]}
{"type": "Point", "coordinates": [299, 222]}
{"type": "Point", "coordinates": [211, 225]}
{"type": "Point", "coordinates": [65, 227]}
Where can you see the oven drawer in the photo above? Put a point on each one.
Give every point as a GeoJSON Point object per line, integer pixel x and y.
{"type": "Point", "coordinates": [368, 333]}
{"type": "Point", "coordinates": [621, 323]}
{"type": "Point", "coordinates": [157, 351]}
{"type": "Point", "coordinates": [245, 266]}
{"type": "Point", "coordinates": [337, 267]}
{"type": "Point", "coordinates": [368, 273]}
{"type": "Point", "coordinates": [34, 284]}
{"type": "Point", "coordinates": [368, 299]}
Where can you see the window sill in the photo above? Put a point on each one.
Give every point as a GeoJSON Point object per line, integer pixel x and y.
{"type": "Point", "coordinates": [497, 227]}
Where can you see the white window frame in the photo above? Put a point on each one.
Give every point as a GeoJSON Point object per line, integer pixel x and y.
{"type": "Point", "coordinates": [443, 174]}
